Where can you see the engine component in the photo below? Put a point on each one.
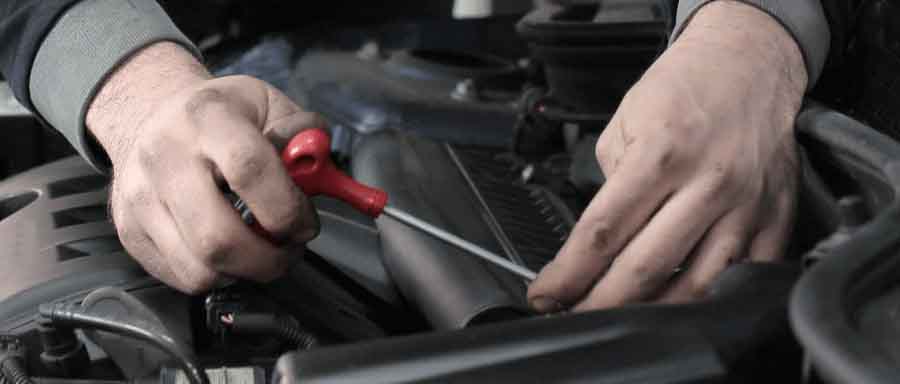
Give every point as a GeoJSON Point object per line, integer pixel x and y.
{"type": "Point", "coordinates": [844, 308]}
{"type": "Point", "coordinates": [307, 158]}
{"type": "Point", "coordinates": [54, 222]}
{"type": "Point", "coordinates": [271, 325]}
{"type": "Point", "coordinates": [590, 53]}
{"type": "Point", "coordinates": [454, 96]}
{"type": "Point", "coordinates": [64, 355]}
{"type": "Point", "coordinates": [451, 288]}
{"type": "Point", "coordinates": [594, 51]}
{"type": "Point", "coordinates": [698, 342]}
{"type": "Point", "coordinates": [350, 242]}
{"type": "Point", "coordinates": [125, 315]}
{"type": "Point", "coordinates": [525, 203]}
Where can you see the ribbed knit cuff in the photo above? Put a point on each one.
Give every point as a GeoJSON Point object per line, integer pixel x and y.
{"type": "Point", "coordinates": [804, 19]}
{"type": "Point", "coordinates": [84, 47]}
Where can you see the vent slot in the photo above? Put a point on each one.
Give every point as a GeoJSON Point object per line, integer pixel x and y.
{"type": "Point", "coordinates": [11, 205]}
{"type": "Point", "coordinates": [83, 184]}
{"type": "Point", "coordinates": [86, 247]}
{"type": "Point", "coordinates": [80, 215]}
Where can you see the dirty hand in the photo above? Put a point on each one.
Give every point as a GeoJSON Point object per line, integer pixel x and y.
{"type": "Point", "coordinates": [701, 169]}
{"type": "Point", "coordinates": [175, 136]}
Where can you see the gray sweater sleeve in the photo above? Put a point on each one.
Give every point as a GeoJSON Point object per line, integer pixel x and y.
{"type": "Point", "coordinates": [804, 19]}
{"type": "Point", "coordinates": [84, 47]}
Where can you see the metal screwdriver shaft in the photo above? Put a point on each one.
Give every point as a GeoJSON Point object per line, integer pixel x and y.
{"type": "Point", "coordinates": [460, 243]}
{"type": "Point", "coordinates": [307, 159]}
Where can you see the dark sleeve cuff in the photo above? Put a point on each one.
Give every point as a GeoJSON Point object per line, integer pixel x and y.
{"type": "Point", "coordinates": [804, 19]}
{"type": "Point", "coordinates": [84, 47]}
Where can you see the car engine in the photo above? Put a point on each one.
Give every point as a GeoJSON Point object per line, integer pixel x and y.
{"type": "Point", "coordinates": [488, 132]}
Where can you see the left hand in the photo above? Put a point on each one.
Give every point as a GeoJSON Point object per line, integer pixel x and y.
{"type": "Point", "coordinates": [701, 169]}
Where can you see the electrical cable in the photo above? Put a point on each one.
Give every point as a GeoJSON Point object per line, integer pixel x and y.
{"type": "Point", "coordinates": [73, 315]}
{"type": "Point", "coordinates": [269, 324]}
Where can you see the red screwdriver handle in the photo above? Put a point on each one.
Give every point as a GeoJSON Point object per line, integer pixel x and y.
{"type": "Point", "coordinates": [307, 158]}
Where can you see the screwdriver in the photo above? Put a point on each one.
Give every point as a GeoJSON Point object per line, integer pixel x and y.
{"type": "Point", "coordinates": [307, 158]}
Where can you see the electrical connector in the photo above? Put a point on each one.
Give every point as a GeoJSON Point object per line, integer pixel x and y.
{"type": "Point", "coordinates": [64, 355]}
{"type": "Point", "coordinates": [218, 304]}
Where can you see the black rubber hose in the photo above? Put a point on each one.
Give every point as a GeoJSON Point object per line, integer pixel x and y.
{"type": "Point", "coordinates": [74, 316]}
{"type": "Point", "coordinates": [13, 371]}
{"type": "Point", "coordinates": [289, 330]}
{"type": "Point", "coordinates": [269, 324]}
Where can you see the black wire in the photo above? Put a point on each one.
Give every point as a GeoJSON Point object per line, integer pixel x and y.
{"type": "Point", "coordinates": [76, 318]}
{"type": "Point", "coordinates": [12, 370]}
{"type": "Point", "coordinates": [287, 329]}
{"type": "Point", "coordinates": [272, 325]}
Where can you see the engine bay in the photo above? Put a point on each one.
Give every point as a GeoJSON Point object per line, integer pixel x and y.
{"type": "Point", "coordinates": [492, 141]}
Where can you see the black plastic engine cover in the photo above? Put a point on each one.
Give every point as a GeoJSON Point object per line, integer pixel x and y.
{"type": "Point", "coordinates": [54, 227]}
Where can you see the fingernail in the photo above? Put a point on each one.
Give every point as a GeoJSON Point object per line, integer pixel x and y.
{"type": "Point", "coordinates": [545, 304]}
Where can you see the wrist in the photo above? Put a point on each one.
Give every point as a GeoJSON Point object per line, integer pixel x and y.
{"type": "Point", "coordinates": [135, 89]}
{"type": "Point", "coordinates": [753, 38]}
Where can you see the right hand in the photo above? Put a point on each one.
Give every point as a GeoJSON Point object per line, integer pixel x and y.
{"type": "Point", "coordinates": [175, 136]}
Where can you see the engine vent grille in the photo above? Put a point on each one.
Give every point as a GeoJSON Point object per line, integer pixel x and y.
{"type": "Point", "coordinates": [80, 215]}
{"type": "Point", "coordinates": [82, 184]}
{"type": "Point", "coordinates": [86, 247]}
{"type": "Point", "coordinates": [527, 220]}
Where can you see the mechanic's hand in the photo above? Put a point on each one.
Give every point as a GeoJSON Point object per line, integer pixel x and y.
{"type": "Point", "coordinates": [701, 169]}
{"type": "Point", "coordinates": [175, 136]}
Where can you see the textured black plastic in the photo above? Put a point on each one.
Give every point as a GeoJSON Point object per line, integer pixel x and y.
{"type": "Point", "coordinates": [844, 309]}
{"type": "Point", "coordinates": [701, 342]}
{"type": "Point", "coordinates": [58, 239]}
{"type": "Point", "coordinates": [62, 234]}
{"type": "Point", "coordinates": [594, 51]}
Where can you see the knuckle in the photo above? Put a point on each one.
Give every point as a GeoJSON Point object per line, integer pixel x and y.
{"type": "Point", "coordinates": [200, 101]}
{"type": "Point", "coordinates": [599, 233]}
{"type": "Point", "coordinates": [244, 166]}
{"type": "Point", "coordinates": [283, 221]}
{"type": "Point", "coordinates": [664, 156]}
{"type": "Point", "coordinates": [150, 150]}
{"type": "Point", "coordinates": [641, 271]}
{"type": "Point", "coordinates": [214, 248]}
{"type": "Point", "coordinates": [129, 236]}
{"type": "Point", "coordinates": [647, 273]}
{"type": "Point", "coordinates": [719, 182]}
{"type": "Point", "coordinates": [693, 288]}
{"type": "Point", "coordinates": [287, 218]}
{"type": "Point", "coordinates": [133, 197]}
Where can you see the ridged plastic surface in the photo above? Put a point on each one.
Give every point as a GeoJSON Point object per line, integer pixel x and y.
{"type": "Point", "coordinates": [54, 225]}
